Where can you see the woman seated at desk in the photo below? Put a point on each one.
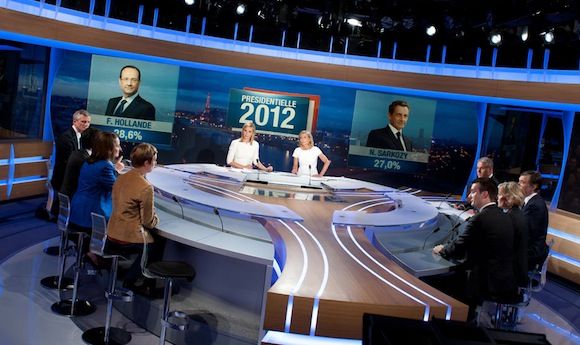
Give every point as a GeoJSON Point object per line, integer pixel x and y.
{"type": "Point", "coordinates": [244, 152]}
{"type": "Point", "coordinates": [306, 157]}
{"type": "Point", "coordinates": [134, 214]}
{"type": "Point", "coordinates": [511, 199]}
{"type": "Point", "coordinates": [95, 182]}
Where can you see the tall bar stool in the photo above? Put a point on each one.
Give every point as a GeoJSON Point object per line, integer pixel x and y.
{"type": "Point", "coordinates": [52, 250]}
{"type": "Point", "coordinates": [168, 271]}
{"type": "Point", "coordinates": [74, 306]}
{"type": "Point", "coordinates": [107, 334]}
{"type": "Point", "coordinates": [507, 314]}
{"type": "Point", "coordinates": [59, 281]}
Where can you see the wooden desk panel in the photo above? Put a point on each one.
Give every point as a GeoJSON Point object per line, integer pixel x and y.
{"type": "Point", "coordinates": [351, 289]}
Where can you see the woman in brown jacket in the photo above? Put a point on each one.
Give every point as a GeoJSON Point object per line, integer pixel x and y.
{"type": "Point", "coordinates": [134, 213]}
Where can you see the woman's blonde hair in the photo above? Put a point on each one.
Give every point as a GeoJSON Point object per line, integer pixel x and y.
{"type": "Point", "coordinates": [309, 135]}
{"type": "Point", "coordinates": [142, 153]}
{"type": "Point", "coordinates": [513, 191]}
{"type": "Point", "coordinates": [253, 127]}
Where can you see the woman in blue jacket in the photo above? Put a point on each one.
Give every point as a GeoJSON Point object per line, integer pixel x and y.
{"type": "Point", "coordinates": [96, 182]}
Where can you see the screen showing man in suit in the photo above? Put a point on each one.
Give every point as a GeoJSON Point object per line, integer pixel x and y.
{"type": "Point", "coordinates": [392, 132]}
{"type": "Point", "coordinates": [130, 105]}
{"type": "Point", "coordinates": [146, 109]}
{"type": "Point", "coordinates": [391, 137]}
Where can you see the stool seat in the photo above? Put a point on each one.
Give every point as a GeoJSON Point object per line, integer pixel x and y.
{"type": "Point", "coordinates": [171, 269]}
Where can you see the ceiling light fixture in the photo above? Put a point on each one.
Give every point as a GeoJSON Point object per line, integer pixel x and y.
{"type": "Point", "coordinates": [431, 30]}
{"type": "Point", "coordinates": [241, 9]}
{"type": "Point", "coordinates": [354, 22]}
{"type": "Point", "coordinates": [495, 39]}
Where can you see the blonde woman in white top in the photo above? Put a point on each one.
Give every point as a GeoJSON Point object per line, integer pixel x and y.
{"type": "Point", "coordinates": [306, 157]}
{"type": "Point", "coordinates": [244, 153]}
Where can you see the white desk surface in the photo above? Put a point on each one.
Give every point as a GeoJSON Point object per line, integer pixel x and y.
{"type": "Point", "coordinates": [175, 182]}
{"type": "Point", "coordinates": [280, 177]}
{"type": "Point", "coordinates": [172, 179]}
{"type": "Point", "coordinates": [413, 211]}
{"type": "Point", "coordinates": [214, 240]}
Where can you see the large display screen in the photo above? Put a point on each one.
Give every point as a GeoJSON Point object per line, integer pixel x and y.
{"type": "Point", "coordinates": [371, 117]}
{"type": "Point", "coordinates": [192, 113]}
{"type": "Point", "coordinates": [153, 89]}
{"type": "Point", "coordinates": [275, 113]}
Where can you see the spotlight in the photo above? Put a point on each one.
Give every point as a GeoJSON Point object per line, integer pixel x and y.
{"type": "Point", "coordinates": [241, 9]}
{"type": "Point", "coordinates": [262, 14]}
{"type": "Point", "coordinates": [431, 30]}
{"type": "Point", "coordinates": [189, 2]}
{"type": "Point", "coordinates": [548, 37]}
{"type": "Point", "coordinates": [354, 22]}
{"type": "Point", "coordinates": [495, 39]}
{"type": "Point", "coordinates": [523, 32]}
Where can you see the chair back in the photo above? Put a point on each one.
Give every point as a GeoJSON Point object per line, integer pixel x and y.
{"type": "Point", "coordinates": [539, 276]}
{"type": "Point", "coordinates": [144, 269]}
{"type": "Point", "coordinates": [98, 234]}
{"type": "Point", "coordinates": [63, 212]}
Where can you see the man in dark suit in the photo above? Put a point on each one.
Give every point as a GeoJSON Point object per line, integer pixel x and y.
{"type": "Point", "coordinates": [536, 213]}
{"type": "Point", "coordinates": [76, 161]}
{"type": "Point", "coordinates": [484, 169]}
{"type": "Point", "coordinates": [487, 247]}
{"type": "Point", "coordinates": [391, 137]}
{"type": "Point", "coordinates": [130, 104]}
{"type": "Point", "coordinates": [66, 143]}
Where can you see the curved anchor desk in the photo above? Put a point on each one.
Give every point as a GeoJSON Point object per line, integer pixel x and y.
{"type": "Point", "coordinates": [320, 239]}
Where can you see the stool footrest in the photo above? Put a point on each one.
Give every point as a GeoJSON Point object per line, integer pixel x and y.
{"type": "Point", "coordinates": [96, 336]}
{"type": "Point", "coordinates": [52, 250]}
{"type": "Point", "coordinates": [176, 320]}
{"type": "Point", "coordinates": [51, 282]}
{"type": "Point", "coordinates": [120, 294]}
{"type": "Point", "coordinates": [65, 308]}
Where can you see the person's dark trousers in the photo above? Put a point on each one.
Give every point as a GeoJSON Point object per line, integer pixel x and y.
{"type": "Point", "coordinates": [74, 237]}
{"type": "Point", "coordinates": [55, 207]}
{"type": "Point", "coordinates": [155, 253]}
{"type": "Point", "coordinates": [455, 284]}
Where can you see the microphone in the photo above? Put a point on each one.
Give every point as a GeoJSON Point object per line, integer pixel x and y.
{"type": "Point", "coordinates": [456, 225]}
{"type": "Point", "coordinates": [310, 186]}
{"type": "Point", "coordinates": [257, 166]}
{"type": "Point", "coordinates": [453, 228]}
{"type": "Point", "coordinates": [217, 213]}
{"type": "Point", "coordinates": [426, 238]}
{"type": "Point", "coordinates": [178, 203]}
{"type": "Point", "coordinates": [444, 200]}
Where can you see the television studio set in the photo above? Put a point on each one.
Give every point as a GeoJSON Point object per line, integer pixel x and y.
{"type": "Point", "coordinates": [349, 172]}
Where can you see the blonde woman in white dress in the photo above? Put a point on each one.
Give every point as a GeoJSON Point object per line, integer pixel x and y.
{"type": "Point", "coordinates": [244, 153]}
{"type": "Point", "coordinates": [306, 157]}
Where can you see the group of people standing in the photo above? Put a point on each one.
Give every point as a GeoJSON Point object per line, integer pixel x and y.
{"type": "Point", "coordinates": [502, 242]}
